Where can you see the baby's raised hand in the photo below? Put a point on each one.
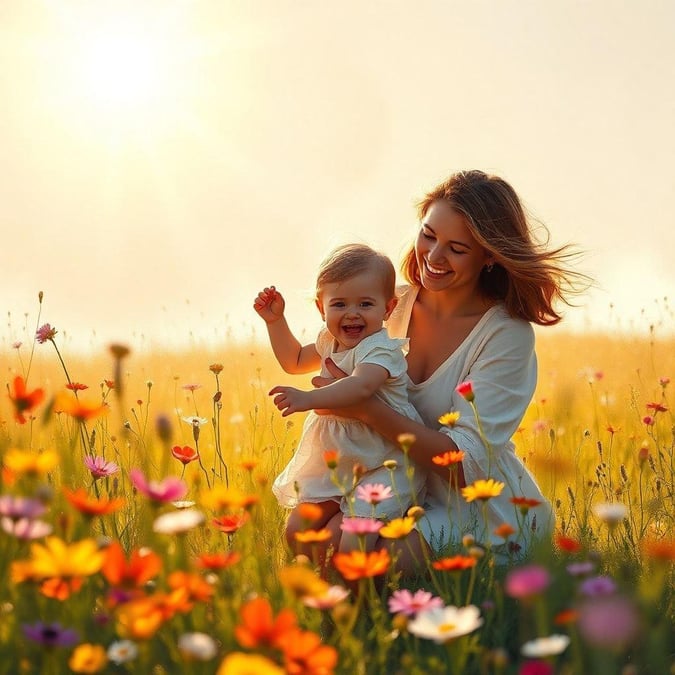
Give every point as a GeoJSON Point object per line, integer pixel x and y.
{"type": "Point", "coordinates": [291, 400]}
{"type": "Point", "coordinates": [269, 304]}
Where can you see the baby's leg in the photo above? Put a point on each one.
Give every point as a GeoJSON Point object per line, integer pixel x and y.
{"type": "Point", "coordinates": [306, 516]}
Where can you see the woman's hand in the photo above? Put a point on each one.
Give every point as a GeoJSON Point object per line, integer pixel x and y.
{"type": "Point", "coordinates": [336, 372]}
{"type": "Point", "coordinates": [353, 412]}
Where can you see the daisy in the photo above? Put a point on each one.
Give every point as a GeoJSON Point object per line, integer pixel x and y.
{"type": "Point", "coordinates": [198, 646]}
{"type": "Point", "coordinates": [373, 493]}
{"type": "Point", "coordinates": [442, 624]}
{"type": "Point", "coordinates": [122, 651]}
{"type": "Point", "coordinates": [545, 646]}
{"type": "Point", "coordinates": [405, 602]}
{"type": "Point", "coordinates": [178, 522]}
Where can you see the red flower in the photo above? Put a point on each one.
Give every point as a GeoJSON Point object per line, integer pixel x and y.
{"type": "Point", "coordinates": [23, 400]}
{"type": "Point", "coordinates": [230, 523]}
{"type": "Point", "coordinates": [465, 390]}
{"type": "Point", "coordinates": [567, 544]}
{"type": "Point", "coordinates": [76, 386]}
{"type": "Point", "coordinates": [657, 407]}
{"type": "Point", "coordinates": [218, 561]}
{"type": "Point", "coordinates": [186, 454]}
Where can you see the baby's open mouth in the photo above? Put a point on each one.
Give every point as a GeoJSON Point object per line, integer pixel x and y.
{"type": "Point", "coordinates": [352, 331]}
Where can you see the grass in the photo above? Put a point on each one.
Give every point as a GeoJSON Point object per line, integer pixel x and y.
{"type": "Point", "coordinates": [228, 598]}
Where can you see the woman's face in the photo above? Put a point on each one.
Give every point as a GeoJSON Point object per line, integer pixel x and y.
{"type": "Point", "coordinates": [448, 256]}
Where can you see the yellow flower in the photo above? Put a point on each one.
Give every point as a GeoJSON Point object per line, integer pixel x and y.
{"type": "Point", "coordinates": [26, 462]}
{"type": "Point", "coordinates": [406, 441]}
{"type": "Point", "coordinates": [57, 559]}
{"type": "Point", "coordinates": [302, 581]}
{"type": "Point", "coordinates": [88, 658]}
{"type": "Point", "coordinates": [398, 528]}
{"type": "Point", "coordinates": [221, 497]}
{"type": "Point", "coordinates": [313, 536]}
{"type": "Point", "coordinates": [239, 663]}
{"type": "Point", "coordinates": [482, 489]}
{"type": "Point", "coordinates": [449, 419]}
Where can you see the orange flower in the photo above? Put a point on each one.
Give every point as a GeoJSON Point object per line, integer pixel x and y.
{"type": "Point", "coordinates": [313, 536]}
{"type": "Point", "coordinates": [304, 654]}
{"type": "Point", "coordinates": [90, 506]}
{"type": "Point", "coordinates": [662, 549]}
{"type": "Point", "coordinates": [218, 561]}
{"type": "Point", "coordinates": [142, 566]}
{"type": "Point", "coordinates": [79, 410]}
{"type": "Point", "coordinates": [140, 619]}
{"type": "Point", "coordinates": [331, 458]}
{"type": "Point", "coordinates": [454, 563]}
{"type": "Point", "coordinates": [359, 564]}
{"type": "Point", "coordinates": [504, 531]}
{"type": "Point", "coordinates": [565, 617]}
{"type": "Point", "coordinates": [60, 588]}
{"type": "Point", "coordinates": [23, 400]}
{"type": "Point", "coordinates": [198, 589]}
{"type": "Point", "coordinates": [524, 503]}
{"type": "Point", "coordinates": [185, 455]}
{"type": "Point", "coordinates": [567, 544]}
{"type": "Point", "coordinates": [77, 386]}
{"type": "Point", "coordinates": [260, 628]}
{"type": "Point", "coordinates": [231, 523]}
{"type": "Point", "coordinates": [248, 464]}
{"type": "Point", "coordinates": [310, 512]}
{"type": "Point", "coordinates": [449, 458]}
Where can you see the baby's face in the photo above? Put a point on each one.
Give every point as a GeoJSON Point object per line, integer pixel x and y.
{"type": "Point", "coordinates": [354, 309]}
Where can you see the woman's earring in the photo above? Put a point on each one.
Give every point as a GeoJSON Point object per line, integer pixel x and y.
{"type": "Point", "coordinates": [489, 267]}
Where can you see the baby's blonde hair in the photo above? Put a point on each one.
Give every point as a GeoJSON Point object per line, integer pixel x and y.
{"type": "Point", "coordinates": [345, 262]}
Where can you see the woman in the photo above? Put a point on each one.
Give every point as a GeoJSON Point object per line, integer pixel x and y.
{"type": "Point", "coordinates": [477, 281]}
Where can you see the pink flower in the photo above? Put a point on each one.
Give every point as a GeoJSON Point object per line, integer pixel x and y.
{"type": "Point", "coordinates": [25, 528]}
{"type": "Point", "coordinates": [191, 387]}
{"type": "Point", "coordinates": [373, 493]}
{"type": "Point", "coordinates": [580, 569]}
{"type": "Point", "coordinates": [664, 381]}
{"type": "Point", "coordinates": [332, 596]}
{"type": "Point", "coordinates": [611, 622]}
{"type": "Point", "coordinates": [465, 390]}
{"type": "Point", "coordinates": [526, 581]}
{"type": "Point", "coordinates": [405, 602]}
{"type": "Point", "coordinates": [44, 333]}
{"type": "Point", "coordinates": [648, 420]}
{"type": "Point", "coordinates": [100, 467]}
{"type": "Point", "coordinates": [15, 507]}
{"type": "Point", "coordinates": [361, 525]}
{"type": "Point", "coordinates": [168, 490]}
{"type": "Point", "coordinates": [594, 587]}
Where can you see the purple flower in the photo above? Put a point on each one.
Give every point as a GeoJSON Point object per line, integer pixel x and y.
{"type": "Point", "coordinates": [526, 581]}
{"type": "Point", "coordinates": [21, 507]}
{"type": "Point", "coordinates": [594, 587]}
{"type": "Point", "coordinates": [405, 602]}
{"type": "Point", "coordinates": [25, 528]}
{"type": "Point", "coordinates": [44, 333]}
{"type": "Point", "coordinates": [610, 622]}
{"type": "Point", "coordinates": [361, 525]}
{"type": "Point", "coordinates": [168, 490]}
{"type": "Point", "coordinates": [580, 569]}
{"type": "Point", "coordinates": [50, 634]}
{"type": "Point", "coordinates": [100, 467]}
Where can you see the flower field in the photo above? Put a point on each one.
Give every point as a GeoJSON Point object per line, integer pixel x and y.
{"type": "Point", "coordinates": [139, 533]}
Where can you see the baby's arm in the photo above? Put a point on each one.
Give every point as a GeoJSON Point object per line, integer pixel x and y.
{"type": "Point", "coordinates": [293, 357]}
{"type": "Point", "coordinates": [366, 379]}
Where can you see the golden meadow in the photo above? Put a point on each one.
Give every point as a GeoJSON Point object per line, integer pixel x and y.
{"type": "Point", "coordinates": [184, 568]}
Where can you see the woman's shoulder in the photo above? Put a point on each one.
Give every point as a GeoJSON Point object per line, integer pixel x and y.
{"type": "Point", "coordinates": [499, 324]}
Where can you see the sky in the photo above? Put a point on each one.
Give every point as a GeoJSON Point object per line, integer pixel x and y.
{"type": "Point", "coordinates": [162, 161]}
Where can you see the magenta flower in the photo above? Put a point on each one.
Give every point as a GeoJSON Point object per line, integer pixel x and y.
{"type": "Point", "coordinates": [580, 569]}
{"type": "Point", "coordinates": [100, 467]}
{"type": "Point", "coordinates": [25, 528]}
{"type": "Point", "coordinates": [536, 668]}
{"type": "Point", "coordinates": [594, 587]}
{"type": "Point", "coordinates": [21, 507]}
{"type": "Point", "coordinates": [405, 602]}
{"type": "Point", "coordinates": [373, 493]}
{"type": "Point", "coordinates": [50, 634]}
{"type": "Point", "coordinates": [361, 525]}
{"type": "Point", "coordinates": [611, 622]}
{"type": "Point", "coordinates": [526, 581]}
{"type": "Point", "coordinates": [44, 333]}
{"type": "Point", "coordinates": [168, 490]}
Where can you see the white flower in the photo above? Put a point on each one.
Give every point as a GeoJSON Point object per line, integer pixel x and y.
{"type": "Point", "coordinates": [183, 504]}
{"type": "Point", "coordinates": [198, 646]}
{"type": "Point", "coordinates": [195, 421]}
{"type": "Point", "coordinates": [177, 522]}
{"type": "Point", "coordinates": [442, 624]}
{"type": "Point", "coordinates": [122, 651]}
{"type": "Point", "coordinates": [545, 646]}
{"type": "Point", "coordinates": [326, 600]}
{"type": "Point", "coordinates": [612, 514]}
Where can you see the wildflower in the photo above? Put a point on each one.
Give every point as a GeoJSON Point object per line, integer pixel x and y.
{"type": "Point", "coordinates": [76, 386]}
{"type": "Point", "coordinates": [527, 581]}
{"type": "Point", "coordinates": [648, 420]}
{"type": "Point", "coordinates": [218, 561]}
{"type": "Point", "coordinates": [331, 597]}
{"type": "Point", "coordinates": [216, 368]}
{"type": "Point", "coordinates": [545, 646]}
{"type": "Point", "coordinates": [611, 622]}
{"type": "Point", "coordinates": [657, 407]}
{"type": "Point", "coordinates": [449, 419]}
{"type": "Point", "coordinates": [259, 627]}
{"type": "Point", "coordinates": [302, 581]}
{"type": "Point", "coordinates": [90, 506]}
{"type": "Point", "coordinates": [122, 651]}
{"type": "Point", "coordinates": [536, 668]}
{"type": "Point", "coordinates": [390, 464]}
{"type": "Point", "coordinates": [14, 507]}
{"type": "Point", "coordinates": [109, 383]}
{"type": "Point", "coordinates": [197, 646]}
{"type": "Point", "coordinates": [165, 491]}
{"type": "Point", "coordinates": [449, 458]}
{"type": "Point", "coordinates": [88, 658]}
{"type": "Point", "coordinates": [178, 522]}
{"type": "Point", "coordinates": [309, 512]}
{"type": "Point", "coordinates": [100, 467]}
{"type": "Point", "coordinates": [406, 441]}
{"type": "Point", "coordinates": [482, 489]}
{"type": "Point", "coordinates": [373, 493]}
{"type": "Point", "coordinates": [44, 333]}
{"type": "Point", "coordinates": [239, 663]}
{"type": "Point", "coordinates": [22, 462]}
{"type": "Point", "coordinates": [416, 512]}
{"type": "Point", "coordinates": [305, 654]}
{"type": "Point", "coordinates": [25, 528]}
{"type": "Point", "coordinates": [195, 421]}
{"type": "Point", "coordinates": [231, 523]}
{"type": "Point", "coordinates": [141, 618]}
{"type": "Point", "coordinates": [442, 624]}
{"type": "Point", "coordinates": [454, 563]}
{"type": "Point", "coordinates": [23, 400]}
{"type": "Point", "coordinates": [185, 455]}
{"type": "Point", "coordinates": [504, 530]}
{"type": "Point", "coordinates": [663, 549]}
{"type": "Point", "coordinates": [359, 564]}
{"type": "Point", "coordinates": [50, 634]}
{"type": "Point", "coordinates": [195, 586]}
{"type": "Point", "coordinates": [403, 601]}
{"type": "Point", "coordinates": [313, 536]}
{"type": "Point", "coordinates": [142, 565]}
{"type": "Point", "coordinates": [77, 409]}
{"type": "Point", "coordinates": [610, 514]}
{"type": "Point", "coordinates": [465, 390]}
{"type": "Point", "coordinates": [664, 381]}
{"type": "Point", "coordinates": [524, 503]}
{"type": "Point", "coordinates": [119, 351]}
{"type": "Point", "coordinates": [330, 457]}
{"type": "Point", "coordinates": [248, 464]}
{"type": "Point", "coordinates": [398, 528]}
{"type": "Point", "coordinates": [594, 587]}
{"type": "Point", "coordinates": [580, 569]}
{"type": "Point", "coordinates": [566, 616]}
{"type": "Point", "coordinates": [17, 344]}
{"type": "Point", "coordinates": [220, 497]}
{"type": "Point", "coordinates": [567, 544]}
{"type": "Point", "coordinates": [361, 525]}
